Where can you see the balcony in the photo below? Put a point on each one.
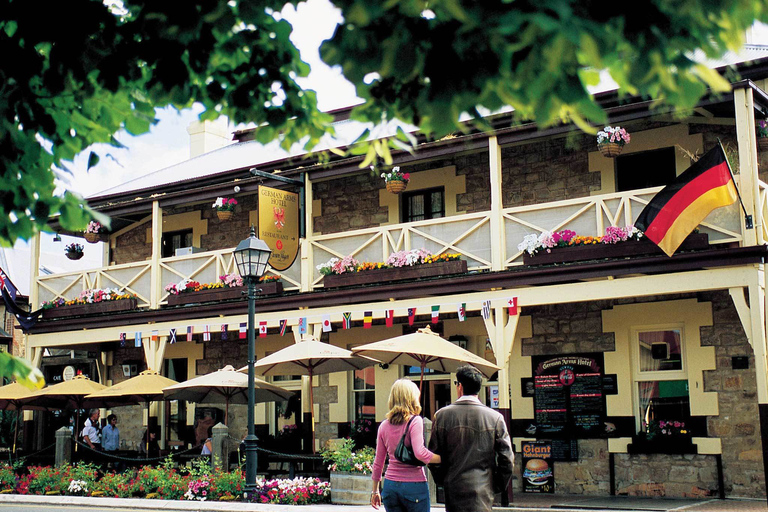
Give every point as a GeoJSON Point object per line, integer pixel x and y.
{"type": "Point", "coordinates": [469, 235]}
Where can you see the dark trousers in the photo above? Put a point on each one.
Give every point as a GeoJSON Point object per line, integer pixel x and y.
{"type": "Point", "coordinates": [405, 496]}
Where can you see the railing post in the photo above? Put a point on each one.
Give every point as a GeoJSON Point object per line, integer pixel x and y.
{"type": "Point", "coordinates": [307, 256]}
{"type": "Point", "coordinates": [747, 144]}
{"type": "Point", "coordinates": [63, 446]}
{"type": "Point", "coordinates": [157, 236]}
{"type": "Point", "coordinates": [220, 455]}
{"type": "Point", "coordinates": [498, 236]}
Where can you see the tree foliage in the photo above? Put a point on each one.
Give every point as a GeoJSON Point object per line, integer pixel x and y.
{"type": "Point", "coordinates": [76, 72]}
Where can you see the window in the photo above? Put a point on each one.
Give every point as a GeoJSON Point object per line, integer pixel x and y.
{"type": "Point", "coordinates": [645, 169]}
{"type": "Point", "coordinates": [661, 380]}
{"type": "Point", "coordinates": [423, 204]}
{"type": "Point", "coordinates": [364, 394]}
{"type": "Point", "coordinates": [175, 240]}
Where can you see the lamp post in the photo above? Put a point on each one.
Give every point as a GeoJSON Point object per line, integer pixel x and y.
{"type": "Point", "coordinates": [251, 257]}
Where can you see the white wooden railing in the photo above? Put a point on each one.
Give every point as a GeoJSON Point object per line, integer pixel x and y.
{"type": "Point", "coordinates": [469, 235]}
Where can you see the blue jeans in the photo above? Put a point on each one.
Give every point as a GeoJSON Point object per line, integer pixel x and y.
{"type": "Point", "coordinates": [405, 496]}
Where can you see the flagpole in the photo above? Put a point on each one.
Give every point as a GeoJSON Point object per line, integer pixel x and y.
{"type": "Point", "coordinates": [747, 218]}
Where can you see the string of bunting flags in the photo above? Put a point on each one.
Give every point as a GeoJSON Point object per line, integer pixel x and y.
{"type": "Point", "coordinates": [302, 323]}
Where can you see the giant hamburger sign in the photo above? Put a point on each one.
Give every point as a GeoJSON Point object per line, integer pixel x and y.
{"type": "Point", "coordinates": [537, 468]}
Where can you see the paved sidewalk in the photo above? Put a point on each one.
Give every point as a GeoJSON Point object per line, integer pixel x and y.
{"type": "Point", "coordinates": [526, 503]}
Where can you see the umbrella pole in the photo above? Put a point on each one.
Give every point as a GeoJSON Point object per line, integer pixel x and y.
{"type": "Point", "coordinates": [312, 409]}
{"type": "Point", "coordinates": [77, 426]}
{"type": "Point", "coordinates": [226, 411]}
{"type": "Point", "coordinates": [147, 447]}
{"type": "Point", "coordinates": [16, 429]}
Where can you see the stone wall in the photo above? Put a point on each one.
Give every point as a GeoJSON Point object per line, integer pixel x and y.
{"type": "Point", "coordinates": [133, 245]}
{"type": "Point", "coordinates": [575, 328]}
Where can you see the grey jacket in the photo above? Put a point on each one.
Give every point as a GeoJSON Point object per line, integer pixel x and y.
{"type": "Point", "coordinates": [476, 453]}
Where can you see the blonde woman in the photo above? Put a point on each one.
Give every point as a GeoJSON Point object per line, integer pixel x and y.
{"type": "Point", "coordinates": [405, 487]}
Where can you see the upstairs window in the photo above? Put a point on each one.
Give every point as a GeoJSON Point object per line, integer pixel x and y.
{"type": "Point", "coordinates": [423, 204]}
{"type": "Point", "coordinates": [645, 169]}
{"type": "Point", "coordinates": [175, 240]}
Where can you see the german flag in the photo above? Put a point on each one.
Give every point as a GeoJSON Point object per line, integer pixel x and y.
{"type": "Point", "coordinates": [683, 204]}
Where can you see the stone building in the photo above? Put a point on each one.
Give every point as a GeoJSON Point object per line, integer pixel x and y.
{"type": "Point", "coordinates": [628, 343]}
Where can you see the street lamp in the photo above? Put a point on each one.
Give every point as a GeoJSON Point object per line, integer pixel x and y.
{"type": "Point", "coordinates": [251, 257]}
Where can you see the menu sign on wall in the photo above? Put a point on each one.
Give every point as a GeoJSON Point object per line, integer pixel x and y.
{"type": "Point", "coordinates": [568, 397]}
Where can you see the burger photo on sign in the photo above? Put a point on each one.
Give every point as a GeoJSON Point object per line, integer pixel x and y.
{"type": "Point", "coordinates": [537, 472]}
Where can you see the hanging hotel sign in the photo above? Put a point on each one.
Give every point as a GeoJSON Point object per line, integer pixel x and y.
{"type": "Point", "coordinates": [279, 225]}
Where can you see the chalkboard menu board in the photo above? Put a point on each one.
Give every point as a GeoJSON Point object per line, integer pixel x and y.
{"type": "Point", "coordinates": [568, 397]}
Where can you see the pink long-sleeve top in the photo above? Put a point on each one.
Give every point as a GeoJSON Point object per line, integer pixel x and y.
{"type": "Point", "coordinates": [387, 440]}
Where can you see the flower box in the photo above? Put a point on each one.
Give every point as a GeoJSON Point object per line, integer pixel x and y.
{"type": "Point", "coordinates": [396, 274]}
{"type": "Point", "coordinates": [350, 488]}
{"type": "Point", "coordinates": [218, 294]}
{"type": "Point", "coordinates": [670, 445]}
{"type": "Point", "coordinates": [694, 242]}
{"type": "Point", "coordinates": [95, 308]}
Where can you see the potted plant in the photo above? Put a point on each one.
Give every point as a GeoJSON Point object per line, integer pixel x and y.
{"type": "Point", "coordinates": [229, 286]}
{"type": "Point", "coordinates": [762, 134]}
{"type": "Point", "coordinates": [92, 232]}
{"type": "Point", "coordinates": [225, 207]}
{"type": "Point", "coordinates": [611, 140]}
{"type": "Point", "coordinates": [92, 301]}
{"type": "Point", "coordinates": [396, 181]}
{"type": "Point", "coordinates": [74, 251]}
{"type": "Point", "coordinates": [350, 473]}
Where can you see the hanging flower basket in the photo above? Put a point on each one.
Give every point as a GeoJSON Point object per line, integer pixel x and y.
{"type": "Point", "coordinates": [74, 255]}
{"type": "Point", "coordinates": [610, 149]}
{"type": "Point", "coordinates": [74, 251]}
{"type": "Point", "coordinates": [91, 238]}
{"type": "Point", "coordinates": [224, 214]}
{"type": "Point", "coordinates": [395, 187]}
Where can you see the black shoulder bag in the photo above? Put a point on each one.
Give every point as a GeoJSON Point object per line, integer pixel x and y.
{"type": "Point", "coordinates": [404, 453]}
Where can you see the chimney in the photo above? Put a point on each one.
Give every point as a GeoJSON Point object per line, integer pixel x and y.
{"type": "Point", "coordinates": [205, 136]}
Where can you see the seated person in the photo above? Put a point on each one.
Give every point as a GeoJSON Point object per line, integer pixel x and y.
{"type": "Point", "coordinates": [208, 444]}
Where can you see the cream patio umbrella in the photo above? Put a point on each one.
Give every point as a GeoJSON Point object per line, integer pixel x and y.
{"type": "Point", "coordinates": [310, 357]}
{"type": "Point", "coordinates": [225, 385]}
{"type": "Point", "coordinates": [70, 394]}
{"type": "Point", "coordinates": [10, 400]}
{"type": "Point", "coordinates": [425, 349]}
{"type": "Point", "coordinates": [146, 387]}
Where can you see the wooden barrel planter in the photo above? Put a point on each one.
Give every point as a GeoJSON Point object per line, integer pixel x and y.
{"type": "Point", "coordinates": [219, 294]}
{"type": "Point", "coordinates": [694, 242]}
{"type": "Point", "coordinates": [107, 306]}
{"type": "Point", "coordinates": [441, 268]}
{"type": "Point", "coordinates": [350, 488]}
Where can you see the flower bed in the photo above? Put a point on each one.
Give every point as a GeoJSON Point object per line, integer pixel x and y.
{"type": "Point", "coordinates": [414, 264]}
{"type": "Point", "coordinates": [164, 482]}
{"type": "Point", "coordinates": [228, 287]}
{"type": "Point", "coordinates": [89, 302]}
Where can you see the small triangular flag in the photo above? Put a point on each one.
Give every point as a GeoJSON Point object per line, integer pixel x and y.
{"type": "Point", "coordinates": [367, 319]}
{"type": "Point", "coordinates": [243, 332]}
{"type": "Point", "coordinates": [486, 309]}
{"type": "Point", "coordinates": [303, 325]}
{"type": "Point", "coordinates": [327, 326]}
{"type": "Point", "coordinates": [390, 317]}
{"type": "Point", "coordinates": [155, 335]}
{"type": "Point", "coordinates": [283, 327]}
{"type": "Point", "coordinates": [347, 320]}
{"type": "Point", "coordinates": [172, 337]}
{"type": "Point", "coordinates": [207, 333]}
{"type": "Point", "coordinates": [122, 339]}
{"type": "Point", "coordinates": [411, 315]}
{"type": "Point", "coordinates": [462, 312]}
{"type": "Point", "coordinates": [435, 314]}
{"type": "Point", "coordinates": [512, 306]}
{"type": "Point", "coordinates": [137, 339]}
{"type": "Point", "coordinates": [224, 332]}
{"type": "Point", "coordinates": [263, 329]}
{"type": "Point", "coordinates": [190, 332]}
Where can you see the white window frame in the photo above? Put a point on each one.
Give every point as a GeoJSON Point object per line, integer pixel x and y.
{"type": "Point", "coordinates": [353, 392]}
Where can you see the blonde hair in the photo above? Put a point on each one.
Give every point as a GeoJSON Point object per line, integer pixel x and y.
{"type": "Point", "coordinates": [403, 401]}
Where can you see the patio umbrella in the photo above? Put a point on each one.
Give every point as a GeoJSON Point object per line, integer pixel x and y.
{"type": "Point", "coordinates": [146, 387]}
{"type": "Point", "coordinates": [425, 349]}
{"type": "Point", "coordinates": [311, 358]}
{"type": "Point", "coordinates": [10, 400]}
{"type": "Point", "coordinates": [70, 394]}
{"type": "Point", "coordinates": [224, 385]}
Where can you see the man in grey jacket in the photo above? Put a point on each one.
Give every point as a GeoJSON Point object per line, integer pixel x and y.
{"type": "Point", "coordinates": [475, 447]}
